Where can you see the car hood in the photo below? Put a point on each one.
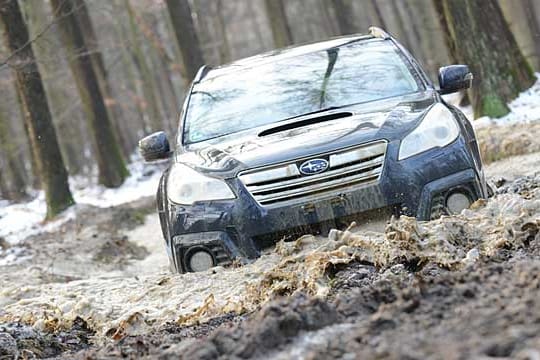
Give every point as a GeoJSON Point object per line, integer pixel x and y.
{"type": "Point", "coordinates": [388, 119]}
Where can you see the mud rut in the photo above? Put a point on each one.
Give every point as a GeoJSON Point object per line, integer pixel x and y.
{"type": "Point", "coordinates": [458, 287]}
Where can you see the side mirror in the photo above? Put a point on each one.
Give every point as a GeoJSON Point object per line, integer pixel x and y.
{"type": "Point", "coordinates": [155, 147]}
{"type": "Point", "coordinates": [454, 78]}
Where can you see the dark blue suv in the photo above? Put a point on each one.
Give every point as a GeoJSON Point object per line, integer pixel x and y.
{"type": "Point", "coordinates": [308, 138]}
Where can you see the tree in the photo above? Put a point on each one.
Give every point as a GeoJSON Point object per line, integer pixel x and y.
{"type": "Point", "coordinates": [4, 190]}
{"type": "Point", "coordinates": [111, 166]}
{"type": "Point", "coordinates": [405, 36]}
{"type": "Point", "coordinates": [212, 30]}
{"type": "Point", "coordinates": [163, 64]}
{"type": "Point", "coordinates": [534, 26]}
{"type": "Point", "coordinates": [57, 83]}
{"type": "Point", "coordinates": [224, 48]}
{"type": "Point", "coordinates": [277, 16]}
{"type": "Point", "coordinates": [344, 16]}
{"type": "Point", "coordinates": [140, 61]}
{"type": "Point", "coordinates": [94, 50]}
{"type": "Point", "coordinates": [11, 156]}
{"type": "Point", "coordinates": [186, 36]}
{"type": "Point", "coordinates": [38, 120]}
{"type": "Point", "coordinates": [481, 38]}
{"type": "Point", "coordinates": [378, 14]}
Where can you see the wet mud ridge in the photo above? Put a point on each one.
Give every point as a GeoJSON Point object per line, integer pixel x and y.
{"type": "Point", "coordinates": [458, 287]}
{"type": "Point", "coordinates": [473, 292]}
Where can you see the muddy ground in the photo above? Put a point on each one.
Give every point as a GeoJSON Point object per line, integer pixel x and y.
{"type": "Point", "coordinates": [460, 287]}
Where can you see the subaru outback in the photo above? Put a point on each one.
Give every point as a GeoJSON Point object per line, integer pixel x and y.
{"type": "Point", "coordinates": [308, 138]}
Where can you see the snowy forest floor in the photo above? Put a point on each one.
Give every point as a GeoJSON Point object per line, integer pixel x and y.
{"type": "Point", "coordinates": [96, 284]}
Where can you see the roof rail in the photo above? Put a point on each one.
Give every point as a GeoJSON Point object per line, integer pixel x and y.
{"type": "Point", "coordinates": [379, 33]}
{"type": "Point", "coordinates": [202, 73]}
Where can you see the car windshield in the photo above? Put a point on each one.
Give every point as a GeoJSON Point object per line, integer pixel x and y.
{"type": "Point", "coordinates": [357, 72]}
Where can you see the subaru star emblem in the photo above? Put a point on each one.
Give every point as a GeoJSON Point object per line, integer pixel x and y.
{"type": "Point", "coordinates": [314, 166]}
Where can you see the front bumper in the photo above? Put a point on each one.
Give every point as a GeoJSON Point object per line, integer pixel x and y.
{"type": "Point", "coordinates": [241, 228]}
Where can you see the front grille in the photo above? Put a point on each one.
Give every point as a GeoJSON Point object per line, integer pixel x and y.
{"type": "Point", "coordinates": [280, 183]}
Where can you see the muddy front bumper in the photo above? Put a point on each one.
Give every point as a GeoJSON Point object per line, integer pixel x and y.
{"type": "Point", "coordinates": [242, 228]}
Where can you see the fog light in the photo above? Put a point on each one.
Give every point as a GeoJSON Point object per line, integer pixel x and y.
{"type": "Point", "coordinates": [457, 202]}
{"type": "Point", "coordinates": [200, 260]}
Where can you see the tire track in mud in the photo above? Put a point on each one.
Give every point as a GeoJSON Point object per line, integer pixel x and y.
{"type": "Point", "coordinates": [454, 306]}
{"type": "Point", "coordinates": [140, 299]}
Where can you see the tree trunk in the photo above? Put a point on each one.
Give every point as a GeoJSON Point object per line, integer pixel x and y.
{"type": "Point", "coordinates": [277, 17]}
{"type": "Point", "coordinates": [164, 76]}
{"type": "Point", "coordinates": [186, 36]}
{"type": "Point", "coordinates": [534, 27]}
{"type": "Point", "coordinates": [38, 116]}
{"type": "Point", "coordinates": [140, 61]}
{"type": "Point", "coordinates": [133, 90]}
{"type": "Point", "coordinates": [483, 40]}
{"type": "Point", "coordinates": [345, 16]}
{"type": "Point", "coordinates": [4, 190]}
{"type": "Point", "coordinates": [17, 190]}
{"type": "Point", "coordinates": [36, 180]}
{"type": "Point", "coordinates": [378, 14]}
{"type": "Point", "coordinates": [329, 18]}
{"type": "Point", "coordinates": [450, 44]}
{"type": "Point", "coordinates": [448, 40]}
{"type": "Point", "coordinates": [94, 50]}
{"type": "Point", "coordinates": [254, 24]}
{"type": "Point", "coordinates": [112, 169]}
{"type": "Point", "coordinates": [224, 47]}
{"type": "Point", "coordinates": [59, 96]}
{"type": "Point", "coordinates": [413, 32]}
{"type": "Point", "coordinates": [402, 33]}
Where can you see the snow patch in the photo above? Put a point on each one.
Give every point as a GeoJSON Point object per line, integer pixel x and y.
{"type": "Point", "coordinates": [524, 109]}
{"type": "Point", "coordinates": [143, 181]}
{"type": "Point", "coordinates": [13, 256]}
{"type": "Point", "coordinates": [19, 221]}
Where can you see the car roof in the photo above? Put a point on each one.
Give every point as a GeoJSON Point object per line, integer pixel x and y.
{"type": "Point", "coordinates": [280, 54]}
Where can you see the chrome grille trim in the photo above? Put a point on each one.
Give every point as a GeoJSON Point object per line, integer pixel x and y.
{"type": "Point", "coordinates": [360, 165]}
{"type": "Point", "coordinates": [323, 176]}
{"type": "Point", "coordinates": [276, 173]}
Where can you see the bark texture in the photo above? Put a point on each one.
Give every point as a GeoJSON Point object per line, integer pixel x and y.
{"type": "Point", "coordinates": [42, 135]}
{"type": "Point", "coordinates": [378, 14]}
{"type": "Point", "coordinates": [345, 16]}
{"type": "Point", "coordinates": [57, 83]}
{"type": "Point", "coordinates": [150, 103]}
{"type": "Point", "coordinates": [277, 17]}
{"type": "Point", "coordinates": [481, 38]}
{"type": "Point", "coordinates": [534, 26]}
{"type": "Point", "coordinates": [186, 36]}
{"type": "Point", "coordinates": [112, 169]}
{"type": "Point", "coordinates": [11, 163]}
{"type": "Point", "coordinates": [83, 16]}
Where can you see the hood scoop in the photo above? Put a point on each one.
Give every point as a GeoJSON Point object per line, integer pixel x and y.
{"type": "Point", "coordinates": [305, 122]}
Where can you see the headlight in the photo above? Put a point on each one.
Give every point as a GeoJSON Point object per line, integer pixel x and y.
{"type": "Point", "coordinates": [437, 129]}
{"type": "Point", "coordinates": [185, 186]}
